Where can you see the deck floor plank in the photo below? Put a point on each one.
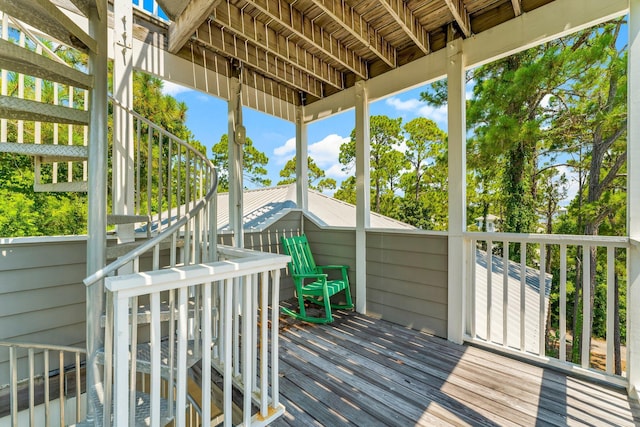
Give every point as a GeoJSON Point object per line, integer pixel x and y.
{"type": "Point", "coordinates": [368, 372]}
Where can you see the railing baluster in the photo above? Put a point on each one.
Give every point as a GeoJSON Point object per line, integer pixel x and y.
{"type": "Point", "coordinates": [32, 419]}
{"type": "Point", "coordinates": [134, 360]}
{"type": "Point", "coordinates": [563, 302]}
{"type": "Point", "coordinates": [275, 329]}
{"type": "Point", "coordinates": [264, 343]}
{"type": "Point", "coordinates": [160, 133]}
{"type": "Point", "coordinates": [138, 178]}
{"type": "Point", "coordinates": [181, 380]}
{"type": "Point", "coordinates": [47, 409]}
{"type": "Point", "coordinates": [542, 287]}
{"type": "Point", "coordinates": [473, 288]}
{"type": "Point", "coordinates": [611, 309]}
{"type": "Point", "coordinates": [207, 307]}
{"type": "Point", "coordinates": [586, 305]}
{"type": "Point", "coordinates": [121, 362]}
{"type": "Point", "coordinates": [149, 169]}
{"type": "Point", "coordinates": [247, 341]}
{"type": "Point", "coordinates": [172, 352]}
{"type": "Point", "coordinates": [155, 335]}
{"type": "Point", "coordinates": [78, 388]}
{"type": "Point", "coordinates": [253, 310]}
{"type": "Point", "coordinates": [61, 387]}
{"type": "Point", "coordinates": [13, 363]}
{"type": "Point", "coordinates": [169, 176]}
{"type": "Point", "coordinates": [228, 343]}
{"type": "Point", "coordinates": [505, 292]}
{"type": "Point", "coordinates": [523, 295]}
{"type": "Point", "coordinates": [489, 287]}
{"type": "Point", "coordinates": [236, 325]}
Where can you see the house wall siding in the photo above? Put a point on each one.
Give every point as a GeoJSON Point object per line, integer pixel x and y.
{"type": "Point", "coordinates": [42, 297]}
{"type": "Point", "coordinates": [407, 279]}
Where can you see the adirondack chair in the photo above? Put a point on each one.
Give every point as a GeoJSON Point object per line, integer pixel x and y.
{"type": "Point", "coordinates": [311, 281]}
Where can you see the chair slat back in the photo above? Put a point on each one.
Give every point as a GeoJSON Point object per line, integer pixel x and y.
{"type": "Point", "coordinates": [297, 247]}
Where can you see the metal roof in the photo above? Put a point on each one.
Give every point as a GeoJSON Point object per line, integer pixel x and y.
{"type": "Point", "coordinates": [263, 207]}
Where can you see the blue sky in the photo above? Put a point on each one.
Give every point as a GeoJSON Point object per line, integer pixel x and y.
{"type": "Point", "coordinates": [207, 119]}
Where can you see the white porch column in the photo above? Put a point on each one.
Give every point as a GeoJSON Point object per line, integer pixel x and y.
{"type": "Point", "coordinates": [633, 202]}
{"type": "Point", "coordinates": [236, 135]}
{"type": "Point", "coordinates": [123, 147]}
{"type": "Point", "coordinates": [457, 188]}
{"type": "Point", "coordinates": [302, 153]}
{"type": "Point", "coordinates": [363, 195]}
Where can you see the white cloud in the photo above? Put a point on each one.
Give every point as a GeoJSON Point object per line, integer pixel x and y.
{"type": "Point", "coordinates": [169, 88]}
{"type": "Point", "coordinates": [286, 149]}
{"type": "Point", "coordinates": [421, 109]}
{"type": "Point", "coordinates": [326, 151]}
{"type": "Point", "coordinates": [335, 171]}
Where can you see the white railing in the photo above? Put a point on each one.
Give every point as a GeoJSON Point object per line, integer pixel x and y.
{"type": "Point", "coordinates": [219, 314]}
{"type": "Point", "coordinates": [509, 301]}
{"type": "Point", "coordinates": [43, 385]}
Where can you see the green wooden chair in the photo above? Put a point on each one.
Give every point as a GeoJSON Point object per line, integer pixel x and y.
{"type": "Point", "coordinates": [311, 281]}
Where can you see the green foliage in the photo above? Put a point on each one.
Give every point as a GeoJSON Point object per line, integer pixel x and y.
{"type": "Point", "coordinates": [317, 179]}
{"type": "Point", "coordinates": [254, 163]}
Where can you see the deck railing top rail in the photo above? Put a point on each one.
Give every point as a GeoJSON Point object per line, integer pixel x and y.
{"type": "Point", "coordinates": [568, 239]}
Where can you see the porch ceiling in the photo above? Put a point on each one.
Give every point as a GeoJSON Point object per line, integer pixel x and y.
{"type": "Point", "coordinates": [301, 51]}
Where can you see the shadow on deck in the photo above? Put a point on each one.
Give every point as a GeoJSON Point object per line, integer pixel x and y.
{"type": "Point", "coordinates": [368, 372]}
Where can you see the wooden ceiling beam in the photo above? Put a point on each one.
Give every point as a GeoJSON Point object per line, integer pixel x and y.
{"type": "Point", "coordinates": [196, 12]}
{"type": "Point", "coordinates": [233, 19]}
{"type": "Point", "coordinates": [344, 15]}
{"type": "Point", "coordinates": [304, 28]}
{"type": "Point", "coordinates": [460, 14]}
{"type": "Point", "coordinates": [517, 7]}
{"type": "Point", "coordinates": [261, 60]}
{"type": "Point", "coordinates": [408, 22]}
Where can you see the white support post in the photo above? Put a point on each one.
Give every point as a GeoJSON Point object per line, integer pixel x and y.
{"type": "Point", "coordinates": [302, 167]}
{"type": "Point", "coordinates": [457, 188]}
{"type": "Point", "coordinates": [363, 196]}
{"type": "Point", "coordinates": [236, 140]}
{"type": "Point", "coordinates": [633, 202]}
{"type": "Point", "coordinates": [123, 147]}
{"type": "Point", "coordinates": [97, 194]}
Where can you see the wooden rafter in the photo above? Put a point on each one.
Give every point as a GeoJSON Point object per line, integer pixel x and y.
{"type": "Point", "coordinates": [517, 7]}
{"type": "Point", "coordinates": [234, 20]}
{"type": "Point", "coordinates": [286, 15]}
{"type": "Point", "coordinates": [191, 18]}
{"type": "Point", "coordinates": [359, 28]}
{"type": "Point", "coordinates": [460, 14]}
{"type": "Point", "coordinates": [408, 22]}
{"type": "Point", "coordinates": [228, 44]}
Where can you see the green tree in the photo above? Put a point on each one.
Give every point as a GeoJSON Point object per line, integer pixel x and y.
{"type": "Point", "coordinates": [317, 179]}
{"type": "Point", "coordinates": [425, 143]}
{"type": "Point", "coordinates": [254, 163]}
{"type": "Point", "coordinates": [386, 161]}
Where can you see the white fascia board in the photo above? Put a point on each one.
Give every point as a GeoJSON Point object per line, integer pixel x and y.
{"type": "Point", "coordinates": [541, 25]}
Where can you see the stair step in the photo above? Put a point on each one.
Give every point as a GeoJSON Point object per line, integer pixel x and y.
{"type": "Point", "coordinates": [122, 249]}
{"type": "Point", "coordinates": [47, 17]}
{"type": "Point", "coordinates": [144, 313]}
{"type": "Point", "coordinates": [25, 61]}
{"type": "Point", "coordinates": [61, 187]}
{"type": "Point", "coordinates": [143, 356]}
{"type": "Point", "coordinates": [24, 109]}
{"type": "Point", "coordinates": [47, 152]}
{"type": "Point", "coordinates": [127, 219]}
{"type": "Point", "coordinates": [143, 411]}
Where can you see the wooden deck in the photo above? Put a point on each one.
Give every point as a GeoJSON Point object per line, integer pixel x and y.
{"type": "Point", "coordinates": [367, 372]}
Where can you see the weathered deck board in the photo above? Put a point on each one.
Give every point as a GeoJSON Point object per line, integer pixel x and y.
{"type": "Point", "coordinates": [368, 372]}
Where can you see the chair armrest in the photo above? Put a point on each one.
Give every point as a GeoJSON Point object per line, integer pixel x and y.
{"type": "Point", "coordinates": [309, 276]}
{"type": "Point", "coordinates": [332, 267]}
